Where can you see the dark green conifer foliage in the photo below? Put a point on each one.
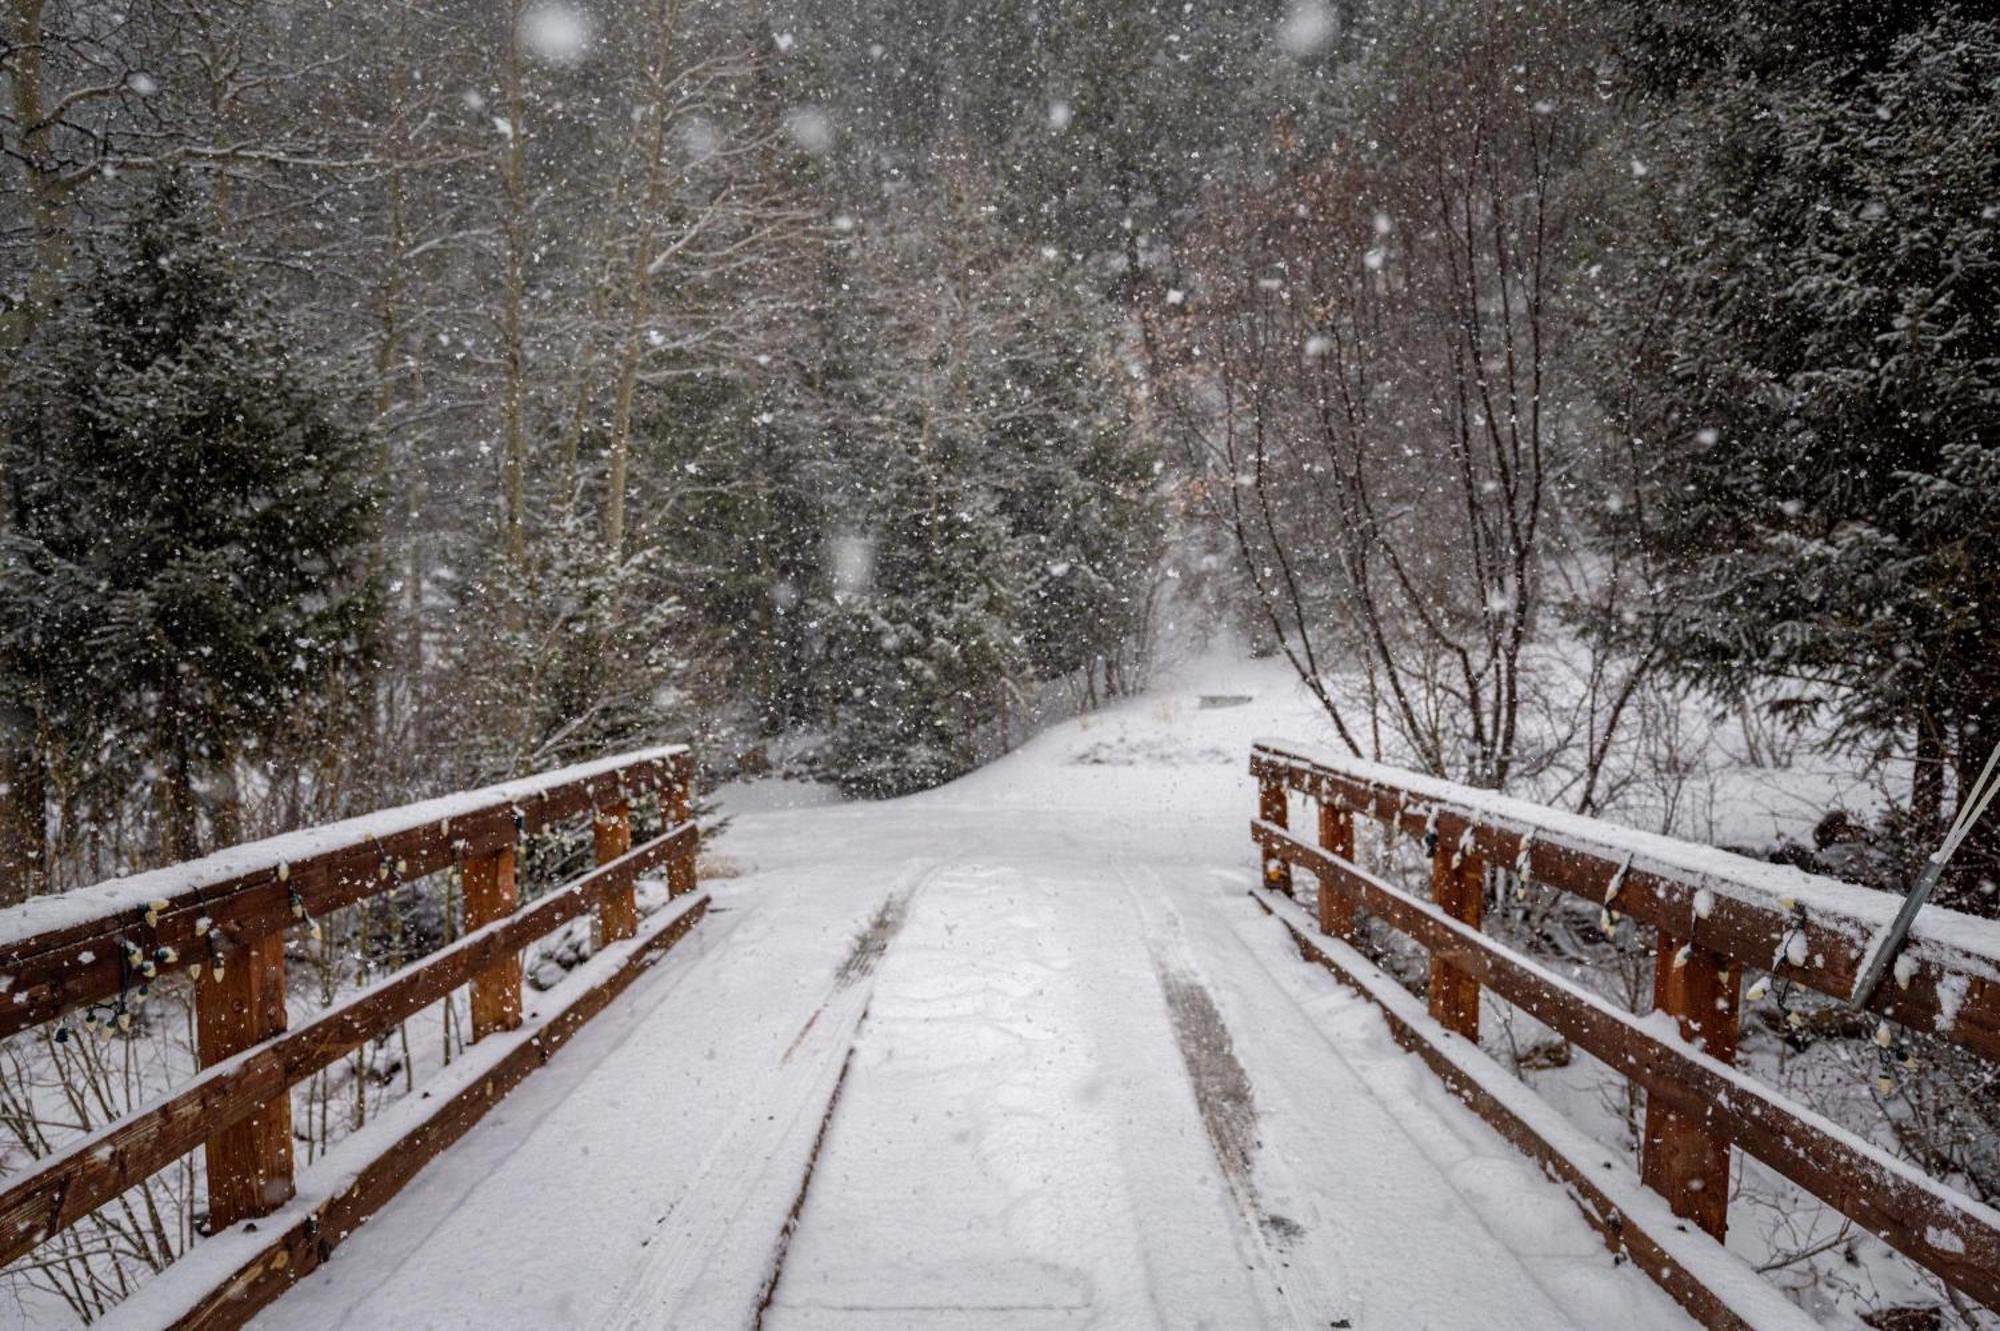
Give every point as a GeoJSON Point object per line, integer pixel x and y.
{"type": "Point", "coordinates": [189, 556]}
{"type": "Point", "coordinates": [1825, 488]}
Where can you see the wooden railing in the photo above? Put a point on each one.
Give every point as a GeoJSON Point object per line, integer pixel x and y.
{"type": "Point", "coordinates": [226, 918]}
{"type": "Point", "coordinates": [1714, 916]}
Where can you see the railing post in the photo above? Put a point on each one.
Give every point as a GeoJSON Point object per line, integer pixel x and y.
{"type": "Point", "coordinates": [611, 836]}
{"type": "Point", "coordinates": [1686, 1155]}
{"type": "Point", "coordinates": [1271, 808]}
{"type": "Point", "coordinates": [491, 893]}
{"type": "Point", "coordinates": [1458, 883]}
{"type": "Point", "coordinates": [250, 1162]}
{"type": "Point", "coordinates": [1338, 916]}
{"type": "Point", "coordinates": [677, 807]}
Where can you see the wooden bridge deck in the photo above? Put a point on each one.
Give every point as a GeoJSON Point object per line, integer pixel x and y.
{"type": "Point", "coordinates": [1037, 1049]}
{"type": "Point", "coordinates": [983, 1058]}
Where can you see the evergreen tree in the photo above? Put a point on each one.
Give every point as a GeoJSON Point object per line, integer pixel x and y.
{"type": "Point", "coordinates": [578, 655]}
{"type": "Point", "coordinates": [188, 558]}
{"type": "Point", "coordinates": [925, 654]}
{"type": "Point", "coordinates": [1073, 482]}
{"type": "Point", "coordinates": [1825, 488]}
{"type": "Point", "coordinates": [1006, 506]}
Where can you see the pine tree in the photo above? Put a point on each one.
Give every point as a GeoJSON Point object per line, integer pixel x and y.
{"type": "Point", "coordinates": [579, 657]}
{"type": "Point", "coordinates": [188, 558]}
{"type": "Point", "coordinates": [1007, 510]}
{"type": "Point", "coordinates": [1073, 482]}
{"type": "Point", "coordinates": [925, 653]}
{"type": "Point", "coordinates": [1825, 494]}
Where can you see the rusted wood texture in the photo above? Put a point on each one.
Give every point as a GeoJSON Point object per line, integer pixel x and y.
{"type": "Point", "coordinates": [610, 837]}
{"type": "Point", "coordinates": [676, 809]}
{"type": "Point", "coordinates": [237, 1006]}
{"type": "Point", "coordinates": [1271, 807]}
{"type": "Point", "coordinates": [1458, 882]}
{"type": "Point", "coordinates": [1337, 915]}
{"type": "Point", "coordinates": [1685, 1157]}
{"type": "Point", "coordinates": [491, 894]}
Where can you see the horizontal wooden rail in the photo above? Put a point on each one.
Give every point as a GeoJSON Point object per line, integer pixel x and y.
{"type": "Point", "coordinates": [1812, 930]}
{"type": "Point", "coordinates": [1716, 1288]}
{"type": "Point", "coordinates": [1716, 915]}
{"type": "Point", "coordinates": [66, 1186]}
{"type": "Point", "coordinates": [248, 1267]}
{"type": "Point", "coordinates": [61, 951]}
{"type": "Point", "coordinates": [226, 917]}
{"type": "Point", "coordinates": [1947, 1232]}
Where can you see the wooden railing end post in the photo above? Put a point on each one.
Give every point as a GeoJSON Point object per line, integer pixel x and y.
{"type": "Point", "coordinates": [1272, 808]}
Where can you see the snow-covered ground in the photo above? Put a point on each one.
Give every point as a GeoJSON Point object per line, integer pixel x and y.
{"type": "Point", "coordinates": [1076, 1078]}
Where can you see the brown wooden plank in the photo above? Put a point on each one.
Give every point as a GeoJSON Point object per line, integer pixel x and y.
{"type": "Point", "coordinates": [1685, 1157]}
{"type": "Point", "coordinates": [677, 807]}
{"type": "Point", "coordinates": [610, 837]}
{"type": "Point", "coordinates": [1949, 1234]}
{"type": "Point", "coordinates": [52, 972]}
{"type": "Point", "coordinates": [1622, 1234]}
{"type": "Point", "coordinates": [490, 895]}
{"type": "Point", "coordinates": [1272, 808]}
{"type": "Point", "coordinates": [1458, 883]}
{"type": "Point", "coordinates": [236, 1006]}
{"type": "Point", "coordinates": [1337, 915]}
{"type": "Point", "coordinates": [1746, 931]}
{"type": "Point", "coordinates": [85, 1175]}
{"type": "Point", "coordinates": [301, 1247]}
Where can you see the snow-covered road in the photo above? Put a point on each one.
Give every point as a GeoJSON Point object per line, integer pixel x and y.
{"type": "Point", "coordinates": [1016, 1053]}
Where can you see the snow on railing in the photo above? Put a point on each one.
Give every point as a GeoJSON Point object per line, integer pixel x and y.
{"type": "Point", "coordinates": [1716, 915]}
{"type": "Point", "coordinates": [225, 918]}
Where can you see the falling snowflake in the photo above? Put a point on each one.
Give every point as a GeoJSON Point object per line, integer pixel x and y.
{"type": "Point", "coordinates": [1308, 26]}
{"type": "Point", "coordinates": [556, 33]}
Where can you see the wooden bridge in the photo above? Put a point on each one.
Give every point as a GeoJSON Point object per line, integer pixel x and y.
{"type": "Point", "coordinates": [994, 1059]}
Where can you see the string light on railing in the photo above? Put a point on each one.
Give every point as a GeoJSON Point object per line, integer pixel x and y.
{"type": "Point", "coordinates": [1889, 1053]}
{"type": "Point", "coordinates": [1791, 950]}
{"type": "Point", "coordinates": [298, 901]}
{"type": "Point", "coordinates": [1522, 860]}
{"type": "Point", "coordinates": [1611, 889]}
{"type": "Point", "coordinates": [1607, 919]}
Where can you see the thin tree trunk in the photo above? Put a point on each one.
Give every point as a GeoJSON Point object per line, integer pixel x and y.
{"type": "Point", "coordinates": [1927, 784]}
{"type": "Point", "coordinates": [24, 832]}
{"type": "Point", "coordinates": [513, 174]}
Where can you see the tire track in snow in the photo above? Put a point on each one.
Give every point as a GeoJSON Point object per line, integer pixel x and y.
{"type": "Point", "coordinates": [759, 1170]}
{"type": "Point", "coordinates": [1238, 923]}
{"type": "Point", "coordinates": [1225, 1098]}
{"type": "Point", "coordinates": [869, 945]}
{"type": "Point", "coordinates": [522, 1117]}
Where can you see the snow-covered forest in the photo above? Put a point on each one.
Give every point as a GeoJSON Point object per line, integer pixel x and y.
{"type": "Point", "coordinates": [1591, 400]}
{"type": "Point", "coordinates": [402, 395]}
